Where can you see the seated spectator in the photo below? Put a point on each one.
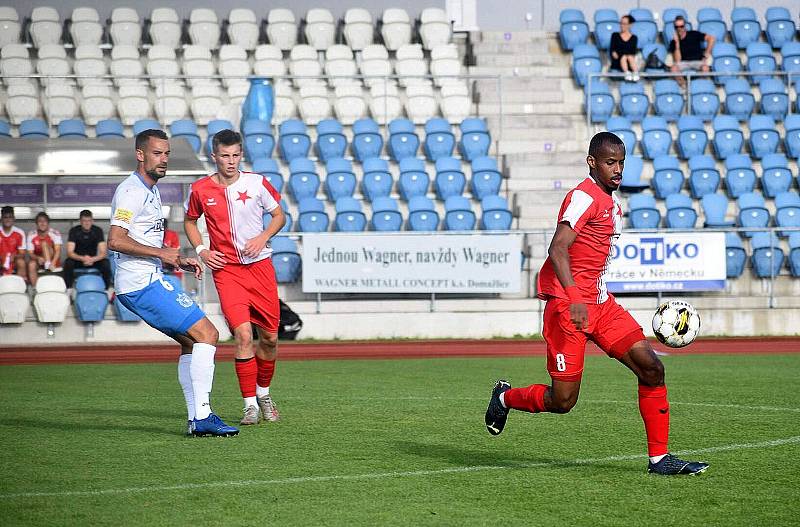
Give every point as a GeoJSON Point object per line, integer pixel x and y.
{"type": "Point", "coordinates": [12, 245]}
{"type": "Point", "coordinates": [623, 50]}
{"type": "Point", "coordinates": [686, 49]}
{"type": "Point", "coordinates": [172, 240]}
{"type": "Point", "coordinates": [44, 248]}
{"type": "Point", "coordinates": [86, 248]}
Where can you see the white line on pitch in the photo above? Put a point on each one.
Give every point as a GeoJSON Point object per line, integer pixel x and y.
{"type": "Point", "coordinates": [387, 475]}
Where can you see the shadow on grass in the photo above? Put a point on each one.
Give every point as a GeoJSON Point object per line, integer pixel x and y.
{"type": "Point", "coordinates": [84, 426]}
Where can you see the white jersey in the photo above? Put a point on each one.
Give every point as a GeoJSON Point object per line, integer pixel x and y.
{"type": "Point", "coordinates": [137, 208]}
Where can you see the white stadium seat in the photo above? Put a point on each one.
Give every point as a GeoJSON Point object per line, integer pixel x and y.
{"type": "Point", "coordinates": [10, 28]}
{"type": "Point", "coordinates": [358, 28]}
{"type": "Point", "coordinates": [340, 66]}
{"type": "Point", "coordinates": [314, 103]}
{"type": "Point", "coordinates": [320, 28]}
{"type": "Point", "coordinates": [161, 62]}
{"type": "Point", "coordinates": [197, 64]}
{"type": "Point", "coordinates": [445, 62]}
{"type": "Point", "coordinates": [133, 103]}
{"type": "Point", "coordinates": [126, 65]}
{"type": "Point", "coordinates": [396, 29]}
{"type": "Point", "coordinates": [170, 102]}
{"type": "Point", "coordinates": [15, 61]}
{"type": "Point", "coordinates": [51, 301]}
{"type": "Point", "coordinates": [434, 27]}
{"type": "Point", "coordinates": [206, 103]}
{"type": "Point", "coordinates": [53, 61]}
{"type": "Point", "coordinates": [243, 28]}
{"type": "Point", "coordinates": [23, 102]}
{"type": "Point", "coordinates": [45, 26]}
{"type": "Point", "coordinates": [421, 104]}
{"type": "Point", "coordinates": [165, 27]}
{"type": "Point", "coordinates": [204, 28]}
{"type": "Point", "coordinates": [385, 103]}
{"type": "Point", "coordinates": [349, 104]}
{"type": "Point", "coordinates": [85, 27]}
{"type": "Point", "coordinates": [59, 102]}
{"type": "Point", "coordinates": [269, 61]}
{"type": "Point", "coordinates": [411, 66]}
{"type": "Point", "coordinates": [233, 63]}
{"type": "Point", "coordinates": [90, 65]}
{"type": "Point", "coordinates": [14, 302]}
{"type": "Point", "coordinates": [97, 103]}
{"type": "Point", "coordinates": [455, 104]}
{"type": "Point", "coordinates": [285, 107]}
{"type": "Point", "coordinates": [304, 62]}
{"type": "Point", "coordinates": [125, 27]}
{"type": "Point", "coordinates": [375, 64]}
{"type": "Point", "coordinates": [282, 28]}
{"type": "Point", "coordinates": [237, 92]}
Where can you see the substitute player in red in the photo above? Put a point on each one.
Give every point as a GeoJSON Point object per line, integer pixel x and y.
{"type": "Point", "coordinates": [580, 308]}
{"type": "Point", "coordinates": [12, 245]}
{"type": "Point", "coordinates": [234, 204]}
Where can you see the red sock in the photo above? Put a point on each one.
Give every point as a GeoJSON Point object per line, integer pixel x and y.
{"type": "Point", "coordinates": [530, 399]}
{"type": "Point", "coordinates": [266, 369]}
{"type": "Point", "coordinates": [246, 371]}
{"type": "Point", "coordinates": [654, 407]}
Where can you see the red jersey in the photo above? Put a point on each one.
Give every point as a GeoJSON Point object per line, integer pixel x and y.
{"type": "Point", "coordinates": [10, 245]}
{"type": "Point", "coordinates": [597, 219]}
{"type": "Point", "coordinates": [171, 239]}
{"type": "Point", "coordinates": [35, 241]}
{"type": "Point", "coordinates": [234, 214]}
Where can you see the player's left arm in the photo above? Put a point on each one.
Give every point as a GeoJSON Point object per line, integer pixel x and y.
{"type": "Point", "coordinates": [559, 256]}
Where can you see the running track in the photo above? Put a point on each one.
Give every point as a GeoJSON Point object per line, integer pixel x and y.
{"type": "Point", "coordinates": [144, 353]}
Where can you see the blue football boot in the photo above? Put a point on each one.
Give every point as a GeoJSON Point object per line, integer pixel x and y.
{"type": "Point", "coordinates": [212, 425]}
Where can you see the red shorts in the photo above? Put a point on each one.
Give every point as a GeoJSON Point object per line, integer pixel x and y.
{"type": "Point", "coordinates": [609, 326]}
{"type": "Point", "coordinates": [249, 293]}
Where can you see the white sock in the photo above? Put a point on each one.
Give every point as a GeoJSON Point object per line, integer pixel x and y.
{"type": "Point", "coordinates": [250, 401]}
{"type": "Point", "coordinates": [503, 399]}
{"type": "Point", "coordinates": [202, 370]}
{"type": "Point", "coordinates": [656, 459]}
{"type": "Point", "coordinates": [185, 378]}
{"type": "Point", "coordinates": [261, 391]}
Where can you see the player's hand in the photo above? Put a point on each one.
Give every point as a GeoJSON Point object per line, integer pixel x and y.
{"type": "Point", "coordinates": [170, 256]}
{"type": "Point", "coordinates": [579, 314]}
{"type": "Point", "coordinates": [191, 265]}
{"type": "Point", "coordinates": [254, 246]}
{"type": "Point", "coordinates": [215, 260]}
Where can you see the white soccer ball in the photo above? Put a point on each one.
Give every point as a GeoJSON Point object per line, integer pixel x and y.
{"type": "Point", "coordinates": [676, 323]}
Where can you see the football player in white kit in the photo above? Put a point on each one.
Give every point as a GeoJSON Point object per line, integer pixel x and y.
{"type": "Point", "coordinates": [137, 237]}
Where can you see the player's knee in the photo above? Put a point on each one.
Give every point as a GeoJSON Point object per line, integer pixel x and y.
{"type": "Point", "coordinates": [563, 404]}
{"type": "Point", "coordinates": [208, 333]}
{"type": "Point", "coordinates": [268, 341]}
{"type": "Point", "coordinates": [653, 374]}
{"type": "Point", "coordinates": [243, 336]}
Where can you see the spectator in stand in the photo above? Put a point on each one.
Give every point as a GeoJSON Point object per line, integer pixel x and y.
{"type": "Point", "coordinates": [86, 248]}
{"type": "Point", "coordinates": [172, 241]}
{"type": "Point", "coordinates": [12, 245]}
{"type": "Point", "coordinates": [623, 50]}
{"type": "Point", "coordinates": [686, 49]}
{"type": "Point", "coordinates": [44, 248]}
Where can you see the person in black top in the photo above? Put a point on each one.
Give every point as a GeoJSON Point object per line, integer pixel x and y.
{"type": "Point", "coordinates": [623, 50]}
{"type": "Point", "coordinates": [86, 247]}
{"type": "Point", "coordinates": [686, 49]}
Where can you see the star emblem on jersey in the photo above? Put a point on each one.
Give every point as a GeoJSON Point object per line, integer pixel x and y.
{"type": "Point", "coordinates": [243, 197]}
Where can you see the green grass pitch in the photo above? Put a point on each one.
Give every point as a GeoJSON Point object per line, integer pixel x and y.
{"type": "Point", "coordinates": [398, 442]}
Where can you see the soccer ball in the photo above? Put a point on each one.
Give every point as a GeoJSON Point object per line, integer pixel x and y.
{"type": "Point", "coordinates": [676, 323]}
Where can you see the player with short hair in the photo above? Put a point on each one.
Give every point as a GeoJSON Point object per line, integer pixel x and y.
{"type": "Point", "coordinates": [580, 308]}
{"type": "Point", "coordinates": [137, 236]}
{"type": "Point", "coordinates": [235, 205]}
{"type": "Point", "coordinates": [12, 245]}
{"type": "Point", "coordinates": [44, 248]}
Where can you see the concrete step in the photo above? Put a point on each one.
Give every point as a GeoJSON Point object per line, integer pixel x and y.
{"type": "Point", "coordinates": [541, 199]}
{"type": "Point", "coordinates": [506, 146]}
{"type": "Point", "coordinates": [543, 96]}
{"type": "Point", "coordinates": [513, 84]}
{"type": "Point", "coordinates": [537, 121]}
{"type": "Point", "coordinates": [540, 134]}
{"type": "Point", "coordinates": [553, 72]}
{"type": "Point", "coordinates": [539, 180]}
{"type": "Point", "coordinates": [538, 47]}
{"type": "Point", "coordinates": [515, 36]}
{"type": "Point", "coordinates": [517, 108]}
{"type": "Point", "coordinates": [554, 160]}
{"type": "Point", "coordinates": [521, 59]}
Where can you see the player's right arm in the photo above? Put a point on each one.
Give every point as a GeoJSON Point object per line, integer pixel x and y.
{"type": "Point", "coordinates": [559, 256]}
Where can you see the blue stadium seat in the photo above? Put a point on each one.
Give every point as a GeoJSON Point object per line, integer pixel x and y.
{"type": "Point", "coordinates": [495, 214]}
{"type": "Point", "coordinates": [5, 128]}
{"type": "Point", "coordinates": [377, 180]}
{"type": "Point", "coordinates": [774, 99]}
{"type": "Point", "coordinates": [311, 215]}
{"type": "Point", "coordinates": [285, 259]}
{"type": "Point", "coordinates": [187, 129]}
{"type": "Point", "coordinates": [656, 137]}
{"type": "Point", "coordinates": [606, 23]}
{"type": "Point", "coordinates": [740, 177]}
{"type": "Point", "coordinates": [349, 216]}
{"type": "Point", "coordinates": [792, 136]}
{"type": "Point", "coordinates": [287, 227]}
{"type": "Point", "coordinates": [745, 27]}
{"type": "Point", "coordinates": [303, 179]}
{"type": "Point", "coordinates": [780, 26]}
{"type": "Point", "coordinates": [574, 30]}
{"type": "Point", "coordinates": [449, 180]}
{"type": "Point", "coordinates": [217, 125]}
{"type": "Point", "coordinates": [725, 60]}
{"type": "Point", "coordinates": [735, 255]}
{"type": "Point", "coordinates": [601, 104]}
{"type": "Point", "coordinates": [752, 211]}
{"type": "Point", "coordinates": [268, 168]}
{"type": "Point", "coordinates": [439, 139]}
{"type": "Point", "coordinates": [728, 136]}
{"type": "Point", "coordinates": [704, 177]}
{"type": "Point", "coordinates": [414, 180]}
{"type": "Point", "coordinates": [668, 16]}
{"type": "Point", "coordinates": [621, 127]}
{"type": "Point", "coordinates": [667, 176]}
{"type": "Point", "coordinates": [760, 60]}
{"type": "Point", "coordinates": [794, 254]}
{"type": "Point", "coordinates": [709, 20]}
{"type": "Point", "coordinates": [585, 60]}
{"type": "Point", "coordinates": [123, 313]}
{"type": "Point", "coordinates": [715, 208]}
{"type": "Point", "coordinates": [739, 99]}
{"type": "Point", "coordinates": [91, 299]}
{"type": "Point", "coordinates": [422, 215]}
{"type": "Point", "coordinates": [72, 129]}
{"type": "Point", "coordinates": [109, 128]}
{"type": "Point", "coordinates": [692, 137]}
{"type": "Point", "coordinates": [767, 255]}
{"type": "Point", "coordinates": [661, 53]}
{"type": "Point", "coordinates": [633, 101]}
{"type": "Point", "coordinates": [258, 140]}
{"type": "Point", "coordinates": [632, 175]}
{"type": "Point", "coordinates": [367, 139]}
{"type": "Point", "coordinates": [645, 27]}
{"type": "Point", "coordinates": [475, 139]}
{"type": "Point", "coordinates": [776, 176]}
{"type": "Point", "coordinates": [787, 210]}
{"type": "Point", "coordinates": [669, 99]}
{"type": "Point", "coordinates": [643, 212]}
{"type": "Point", "coordinates": [705, 101]}
{"type": "Point", "coordinates": [486, 179]}
{"type": "Point", "coordinates": [145, 124]}
{"type": "Point", "coordinates": [764, 137]}
{"type": "Point", "coordinates": [386, 214]}
{"type": "Point", "coordinates": [403, 139]}
{"type": "Point", "coordinates": [680, 212]}
{"type": "Point", "coordinates": [293, 140]}
{"type": "Point", "coordinates": [340, 180]}
{"type": "Point", "coordinates": [331, 141]}
{"type": "Point", "coordinates": [790, 53]}
{"type": "Point", "coordinates": [458, 214]}
{"type": "Point", "coordinates": [34, 129]}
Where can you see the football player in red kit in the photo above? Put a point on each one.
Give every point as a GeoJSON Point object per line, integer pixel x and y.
{"type": "Point", "coordinates": [580, 308]}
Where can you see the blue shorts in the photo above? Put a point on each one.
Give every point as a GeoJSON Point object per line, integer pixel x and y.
{"type": "Point", "coordinates": [164, 306]}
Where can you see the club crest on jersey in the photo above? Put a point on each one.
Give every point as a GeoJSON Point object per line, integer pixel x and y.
{"type": "Point", "coordinates": [184, 300]}
{"type": "Point", "coordinates": [243, 197]}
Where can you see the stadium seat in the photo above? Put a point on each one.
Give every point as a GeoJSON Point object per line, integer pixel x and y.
{"type": "Point", "coordinates": [790, 53]}
{"type": "Point", "coordinates": [10, 28]}
{"type": "Point", "coordinates": [384, 104]}
{"type": "Point", "coordinates": [668, 18]}
{"type": "Point", "coordinates": [15, 62]}
{"type": "Point", "coordinates": [165, 27]}
{"type": "Point", "coordinates": [715, 209]}
{"type": "Point", "coordinates": [268, 168]}
{"type": "Point", "coordinates": [377, 181]}
{"type": "Point", "coordinates": [621, 127]}
{"type": "Point", "coordinates": [794, 254]}
{"type": "Point", "coordinates": [439, 139]}
{"type": "Point", "coordinates": [311, 215]}
{"type": "Point", "coordinates": [495, 214]}
{"type": "Point", "coordinates": [258, 140]}
{"type": "Point", "coordinates": [486, 178]}
{"type": "Point", "coordinates": [446, 64]}
{"type": "Point", "coordinates": [403, 139]}
{"type": "Point", "coordinates": [704, 177]}
{"type": "Point", "coordinates": [315, 105]}
{"type": "Point", "coordinates": [767, 255]}
{"type": "Point", "coordinates": [740, 177]}
{"type": "Point", "coordinates": [633, 103]}
{"type": "Point", "coordinates": [435, 27]}
{"type": "Point", "coordinates": [656, 137]}
{"type": "Point", "coordinates": [421, 102]}
{"type": "Point", "coordinates": [217, 125]}
{"type": "Point", "coordinates": [340, 66]}
{"type": "Point", "coordinates": [269, 61]}
{"type": "Point", "coordinates": [396, 28]}
{"type": "Point", "coordinates": [643, 212]}
{"type": "Point", "coordinates": [458, 214]}
{"type": "Point", "coordinates": [304, 65]}
{"type": "Point", "coordinates": [109, 128]}
{"type": "Point", "coordinates": [668, 99]}
{"type": "Point", "coordinates": [349, 216]}
{"type": "Point", "coordinates": [475, 139]}
{"type": "Point", "coordinates": [739, 99]}
{"type": "Point", "coordinates": [23, 102]}
{"type": "Point", "coordinates": [728, 137]}
{"type": "Point", "coordinates": [126, 65]}
{"type": "Point", "coordinates": [233, 65]}
{"type": "Point", "coordinates": [449, 180]}
{"type": "Point", "coordinates": [386, 214]}
{"type": "Point", "coordinates": [340, 181]}
{"type": "Point", "coordinates": [285, 108]}
{"type": "Point", "coordinates": [243, 28]}
{"type": "Point", "coordinates": [709, 21]}
{"type": "Point", "coordinates": [645, 27]}
{"type": "Point", "coordinates": [282, 28]}
{"type": "Point", "coordinates": [456, 104]}
{"type": "Point", "coordinates": [84, 27]}
{"type": "Point", "coordinates": [170, 102]}
{"type": "Point", "coordinates": [51, 301]}
{"type": "Point", "coordinates": [303, 179]}
{"type": "Point", "coordinates": [780, 26]}
{"type": "Point", "coordinates": [787, 210]}
{"type": "Point", "coordinates": [14, 301]}
{"type": "Point", "coordinates": [45, 26]}
{"type": "Point", "coordinates": [735, 255]}
{"type": "Point", "coordinates": [5, 128]}
{"type": "Point", "coordinates": [585, 60]}
{"type": "Point", "coordinates": [59, 102]}
{"type": "Point", "coordinates": [632, 175]}
{"type": "Point", "coordinates": [123, 313]}
{"type": "Point", "coordinates": [776, 176]}
{"type": "Point", "coordinates": [774, 99]}
{"type": "Point", "coordinates": [34, 129]}
{"type": "Point", "coordinates": [287, 227]}
{"type": "Point", "coordinates": [367, 139]}
{"type": "Point", "coordinates": [331, 141]}
{"type": "Point", "coordinates": [286, 259]}
{"type": "Point", "coordinates": [375, 65]}
{"type": "Point", "coordinates": [745, 27]}
{"type": "Point", "coordinates": [705, 101]}
{"type": "Point", "coordinates": [760, 60]}
{"type": "Point", "coordinates": [89, 65]}
{"type": "Point", "coordinates": [660, 52]}
{"type": "Point", "coordinates": [97, 103]}
{"type": "Point", "coordinates": [752, 211]}
{"type": "Point", "coordinates": [606, 23]}
{"type": "Point", "coordinates": [293, 139]}
{"type": "Point", "coordinates": [414, 180]}
{"type": "Point", "coordinates": [667, 176]}
{"type": "Point", "coordinates": [349, 104]}
{"type": "Point", "coordinates": [792, 136]}
{"type": "Point", "coordinates": [764, 138]}
{"type": "Point", "coordinates": [91, 299]}
{"type": "Point", "coordinates": [422, 215]}
{"type": "Point", "coordinates": [680, 212]}
{"type": "Point", "coordinates": [725, 59]}
{"type": "Point", "coordinates": [574, 29]}
{"type": "Point", "coordinates": [358, 29]}
{"type": "Point", "coordinates": [692, 138]}
{"type": "Point", "coordinates": [71, 129]}
{"type": "Point", "coordinates": [601, 104]}
{"type": "Point", "coordinates": [145, 124]}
